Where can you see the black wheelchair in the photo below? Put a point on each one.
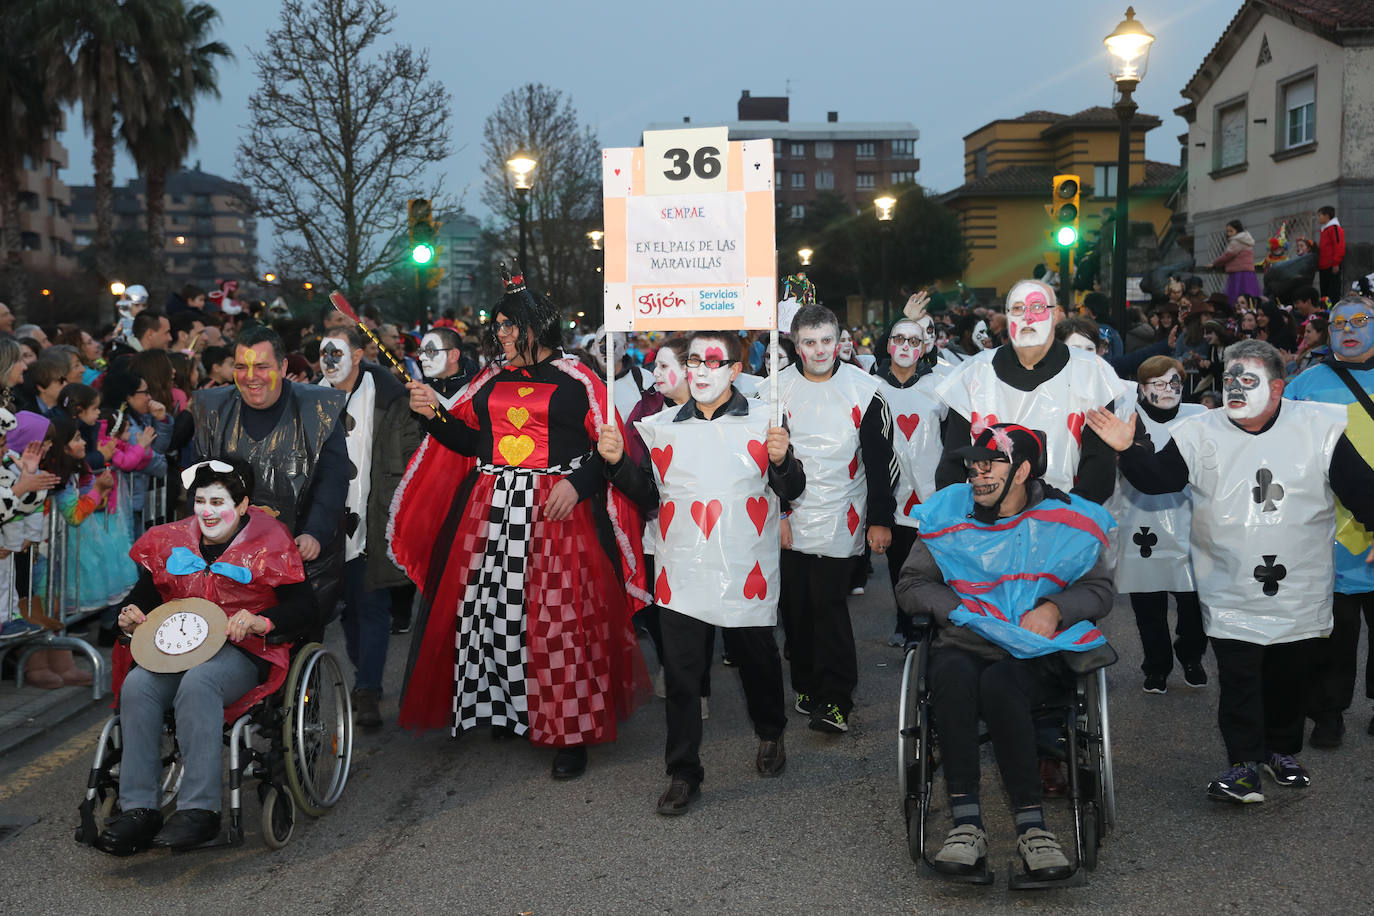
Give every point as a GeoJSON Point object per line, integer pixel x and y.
{"type": "Point", "coordinates": [1075, 731]}
{"type": "Point", "coordinates": [297, 743]}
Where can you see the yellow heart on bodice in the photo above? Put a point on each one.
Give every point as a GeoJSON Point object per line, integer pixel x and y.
{"type": "Point", "coordinates": [524, 391]}
{"type": "Point", "coordinates": [515, 449]}
{"type": "Point", "coordinates": [518, 416]}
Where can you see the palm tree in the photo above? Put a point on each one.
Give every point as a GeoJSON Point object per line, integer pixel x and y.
{"type": "Point", "coordinates": [29, 115]}
{"type": "Point", "coordinates": [177, 65]}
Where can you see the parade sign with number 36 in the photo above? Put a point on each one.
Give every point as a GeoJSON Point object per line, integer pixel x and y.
{"type": "Point", "coordinates": [689, 232]}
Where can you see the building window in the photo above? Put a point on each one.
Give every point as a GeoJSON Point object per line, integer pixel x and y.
{"type": "Point", "coordinates": [865, 150]}
{"type": "Point", "coordinates": [1104, 181]}
{"type": "Point", "coordinates": [28, 201]}
{"type": "Point", "coordinates": [30, 241]}
{"type": "Point", "coordinates": [53, 167]}
{"type": "Point", "coordinates": [980, 164]}
{"type": "Point", "coordinates": [1230, 136]}
{"type": "Point", "coordinates": [1299, 112]}
{"type": "Point", "coordinates": [903, 149]}
{"type": "Point", "coordinates": [81, 239]}
{"type": "Point", "coordinates": [798, 151]}
{"type": "Point", "coordinates": [178, 219]}
{"type": "Point", "coordinates": [825, 150]}
{"type": "Point", "coordinates": [797, 180]}
{"type": "Point", "coordinates": [777, 178]}
{"type": "Point", "coordinates": [178, 199]}
{"type": "Point", "coordinates": [903, 177]}
{"type": "Point", "coordinates": [798, 211]}
{"type": "Point", "coordinates": [865, 181]}
{"type": "Point", "coordinates": [825, 181]}
{"type": "Point", "coordinates": [54, 205]}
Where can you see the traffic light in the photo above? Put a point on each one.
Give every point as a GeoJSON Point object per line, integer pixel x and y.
{"type": "Point", "coordinates": [422, 231]}
{"type": "Point", "coordinates": [1064, 211]}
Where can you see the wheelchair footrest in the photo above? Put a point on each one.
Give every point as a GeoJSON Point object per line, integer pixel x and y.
{"type": "Point", "coordinates": [225, 838]}
{"type": "Point", "coordinates": [983, 877]}
{"type": "Point", "coordinates": [1018, 880]}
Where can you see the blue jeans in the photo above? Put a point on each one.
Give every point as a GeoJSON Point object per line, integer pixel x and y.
{"type": "Point", "coordinates": [366, 626]}
{"type": "Point", "coordinates": [198, 696]}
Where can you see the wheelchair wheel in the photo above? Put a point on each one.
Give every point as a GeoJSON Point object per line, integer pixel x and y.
{"type": "Point", "coordinates": [1091, 835]}
{"type": "Point", "coordinates": [913, 751]}
{"type": "Point", "coordinates": [318, 730]}
{"type": "Point", "coordinates": [107, 794]}
{"type": "Point", "coordinates": [1099, 730]}
{"type": "Point", "coordinates": [278, 816]}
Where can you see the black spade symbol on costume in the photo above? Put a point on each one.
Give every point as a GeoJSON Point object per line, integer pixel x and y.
{"type": "Point", "coordinates": [1145, 541]}
{"type": "Point", "coordinates": [1267, 492]}
{"type": "Point", "coordinates": [1270, 573]}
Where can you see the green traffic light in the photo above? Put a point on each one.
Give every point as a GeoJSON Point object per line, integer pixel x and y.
{"type": "Point", "coordinates": [1066, 237]}
{"type": "Point", "coordinates": [422, 253]}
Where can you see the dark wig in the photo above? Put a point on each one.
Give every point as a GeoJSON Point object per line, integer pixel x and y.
{"type": "Point", "coordinates": [530, 312]}
{"type": "Point", "coordinates": [238, 481]}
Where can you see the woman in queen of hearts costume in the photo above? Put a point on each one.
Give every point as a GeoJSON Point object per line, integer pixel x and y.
{"type": "Point", "coordinates": [1153, 557]}
{"type": "Point", "coordinates": [524, 557]}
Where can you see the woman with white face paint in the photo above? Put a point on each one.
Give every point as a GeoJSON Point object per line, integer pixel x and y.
{"type": "Point", "coordinates": [1265, 474]}
{"type": "Point", "coordinates": [1153, 556]}
{"type": "Point", "coordinates": [245, 562]}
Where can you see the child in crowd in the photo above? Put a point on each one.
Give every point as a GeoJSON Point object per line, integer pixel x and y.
{"type": "Point", "coordinates": [82, 404]}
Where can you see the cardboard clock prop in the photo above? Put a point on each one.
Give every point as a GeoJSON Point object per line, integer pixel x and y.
{"type": "Point", "coordinates": [179, 635]}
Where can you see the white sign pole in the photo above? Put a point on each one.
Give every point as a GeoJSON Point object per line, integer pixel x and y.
{"type": "Point", "coordinates": [610, 381]}
{"type": "Point", "coordinates": [772, 363]}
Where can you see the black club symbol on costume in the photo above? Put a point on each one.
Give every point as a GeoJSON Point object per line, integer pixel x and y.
{"type": "Point", "coordinates": [1270, 573]}
{"type": "Point", "coordinates": [1267, 492]}
{"type": "Point", "coordinates": [1145, 541]}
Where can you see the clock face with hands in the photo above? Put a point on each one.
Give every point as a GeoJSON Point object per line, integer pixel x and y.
{"type": "Point", "coordinates": [180, 633]}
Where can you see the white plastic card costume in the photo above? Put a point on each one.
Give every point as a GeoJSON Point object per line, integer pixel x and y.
{"type": "Point", "coordinates": [824, 418]}
{"type": "Point", "coordinates": [1264, 517]}
{"type": "Point", "coordinates": [916, 416]}
{"type": "Point", "coordinates": [629, 388]}
{"type": "Point", "coordinates": [719, 536]}
{"type": "Point", "coordinates": [1152, 529]}
{"type": "Point", "coordinates": [748, 385]}
{"type": "Point", "coordinates": [1058, 407]}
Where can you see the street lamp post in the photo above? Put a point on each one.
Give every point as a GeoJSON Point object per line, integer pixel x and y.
{"type": "Point", "coordinates": [885, 205]}
{"type": "Point", "coordinates": [804, 256]}
{"type": "Point", "coordinates": [1129, 49]}
{"type": "Point", "coordinates": [522, 166]}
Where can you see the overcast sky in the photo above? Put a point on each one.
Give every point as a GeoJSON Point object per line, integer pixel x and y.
{"type": "Point", "coordinates": [946, 67]}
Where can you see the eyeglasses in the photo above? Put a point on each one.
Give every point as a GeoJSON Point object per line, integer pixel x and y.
{"type": "Point", "coordinates": [696, 362]}
{"type": "Point", "coordinates": [1354, 321]}
{"type": "Point", "coordinates": [430, 351]}
{"type": "Point", "coordinates": [902, 340]}
{"type": "Point", "coordinates": [142, 391]}
{"type": "Point", "coordinates": [1162, 386]}
{"type": "Point", "coordinates": [983, 465]}
{"type": "Point", "coordinates": [504, 326]}
{"type": "Point", "coordinates": [1020, 309]}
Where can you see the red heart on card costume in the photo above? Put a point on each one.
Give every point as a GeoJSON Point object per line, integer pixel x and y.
{"type": "Point", "coordinates": [912, 502]}
{"type": "Point", "coordinates": [853, 467]}
{"type": "Point", "coordinates": [908, 422]}
{"type": "Point", "coordinates": [1076, 427]}
{"type": "Point", "coordinates": [662, 593]}
{"type": "Point", "coordinates": [756, 585]}
{"type": "Point", "coordinates": [665, 518]}
{"type": "Point", "coordinates": [759, 452]}
{"type": "Point", "coordinates": [706, 515]}
{"type": "Point", "coordinates": [857, 416]}
{"type": "Point", "coordinates": [662, 457]}
{"type": "Point", "coordinates": [853, 519]}
{"type": "Point", "coordinates": [757, 507]}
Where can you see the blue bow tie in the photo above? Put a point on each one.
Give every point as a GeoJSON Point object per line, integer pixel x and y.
{"type": "Point", "coordinates": [184, 561]}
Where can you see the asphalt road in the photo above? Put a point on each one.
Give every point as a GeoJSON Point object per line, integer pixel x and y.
{"type": "Point", "coordinates": [429, 824]}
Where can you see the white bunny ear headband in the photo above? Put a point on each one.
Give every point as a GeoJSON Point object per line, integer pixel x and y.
{"type": "Point", "coordinates": [188, 476]}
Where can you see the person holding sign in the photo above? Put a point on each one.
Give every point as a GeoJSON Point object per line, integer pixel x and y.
{"type": "Point", "coordinates": [716, 470]}
{"type": "Point", "coordinates": [245, 561]}
{"type": "Point", "coordinates": [842, 431]}
{"type": "Point", "coordinates": [525, 559]}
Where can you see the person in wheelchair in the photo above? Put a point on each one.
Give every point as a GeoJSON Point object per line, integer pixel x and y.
{"type": "Point", "coordinates": [245, 561]}
{"type": "Point", "coordinates": [1012, 571]}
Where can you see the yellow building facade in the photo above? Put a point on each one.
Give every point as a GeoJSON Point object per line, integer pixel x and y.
{"type": "Point", "coordinates": [1009, 167]}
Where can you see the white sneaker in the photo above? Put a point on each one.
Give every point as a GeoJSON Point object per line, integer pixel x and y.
{"type": "Point", "coordinates": [857, 590]}
{"type": "Point", "coordinates": [660, 689]}
{"type": "Point", "coordinates": [705, 708]}
{"type": "Point", "coordinates": [964, 848]}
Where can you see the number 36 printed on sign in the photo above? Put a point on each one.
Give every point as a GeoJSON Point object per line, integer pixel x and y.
{"type": "Point", "coordinates": [685, 161]}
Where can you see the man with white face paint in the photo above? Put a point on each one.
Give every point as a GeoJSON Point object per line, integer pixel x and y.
{"type": "Point", "coordinates": [1153, 556]}
{"type": "Point", "coordinates": [907, 387]}
{"type": "Point", "coordinates": [382, 434]}
{"type": "Point", "coordinates": [842, 431]}
{"type": "Point", "coordinates": [1037, 381]}
{"type": "Point", "coordinates": [1265, 473]}
{"type": "Point", "coordinates": [716, 471]}
{"type": "Point", "coordinates": [1345, 377]}
{"type": "Point", "coordinates": [441, 362]}
{"type": "Point", "coordinates": [631, 380]}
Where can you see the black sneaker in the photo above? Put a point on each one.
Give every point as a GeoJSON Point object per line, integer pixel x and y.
{"type": "Point", "coordinates": [400, 626]}
{"type": "Point", "coordinates": [131, 832]}
{"type": "Point", "coordinates": [805, 704]}
{"type": "Point", "coordinates": [829, 719]}
{"type": "Point", "coordinates": [1156, 683]}
{"type": "Point", "coordinates": [1195, 675]}
{"type": "Point", "coordinates": [1327, 733]}
{"type": "Point", "coordinates": [1285, 770]}
{"type": "Point", "coordinates": [1240, 783]}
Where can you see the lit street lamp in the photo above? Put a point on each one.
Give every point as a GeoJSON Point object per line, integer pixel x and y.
{"type": "Point", "coordinates": [269, 277]}
{"type": "Point", "coordinates": [804, 255]}
{"type": "Point", "coordinates": [1129, 49]}
{"type": "Point", "coordinates": [885, 204]}
{"type": "Point", "coordinates": [595, 237]}
{"type": "Point", "coordinates": [522, 166]}
{"type": "Point", "coordinates": [116, 288]}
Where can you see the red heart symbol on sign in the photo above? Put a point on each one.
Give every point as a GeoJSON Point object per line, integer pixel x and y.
{"type": "Point", "coordinates": [908, 422]}
{"type": "Point", "coordinates": [662, 593]}
{"type": "Point", "coordinates": [706, 515]}
{"type": "Point", "coordinates": [617, 171]}
{"type": "Point", "coordinates": [857, 415]}
{"type": "Point", "coordinates": [759, 452]}
{"type": "Point", "coordinates": [662, 457]}
{"type": "Point", "coordinates": [665, 518]}
{"type": "Point", "coordinates": [758, 511]}
{"type": "Point", "coordinates": [853, 519]}
{"type": "Point", "coordinates": [1076, 427]}
{"type": "Point", "coordinates": [756, 586]}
